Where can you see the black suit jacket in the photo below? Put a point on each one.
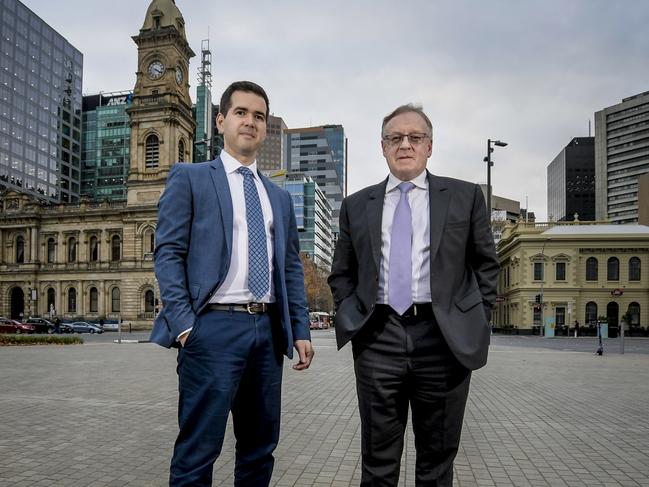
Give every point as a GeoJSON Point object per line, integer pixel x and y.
{"type": "Point", "coordinates": [463, 265]}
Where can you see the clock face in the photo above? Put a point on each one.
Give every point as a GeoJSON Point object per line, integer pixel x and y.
{"type": "Point", "coordinates": [179, 74]}
{"type": "Point", "coordinates": [156, 70]}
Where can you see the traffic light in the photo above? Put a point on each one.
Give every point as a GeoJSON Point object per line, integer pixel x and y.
{"type": "Point", "coordinates": [537, 298]}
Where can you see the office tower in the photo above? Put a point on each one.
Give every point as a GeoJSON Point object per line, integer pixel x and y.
{"type": "Point", "coordinates": [40, 107]}
{"type": "Point", "coordinates": [621, 157]}
{"type": "Point", "coordinates": [205, 119]}
{"type": "Point", "coordinates": [269, 157]}
{"type": "Point", "coordinates": [105, 147]}
{"type": "Point", "coordinates": [571, 181]}
{"type": "Point", "coordinates": [320, 152]}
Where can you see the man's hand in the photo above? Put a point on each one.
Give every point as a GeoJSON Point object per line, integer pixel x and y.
{"type": "Point", "coordinates": [305, 353]}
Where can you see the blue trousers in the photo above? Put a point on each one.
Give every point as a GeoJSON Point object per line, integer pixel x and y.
{"type": "Point", "coordinates": [229, 363]}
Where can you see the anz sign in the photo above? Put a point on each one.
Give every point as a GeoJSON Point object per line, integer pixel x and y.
{"type": "Point", "coordinates": [119, 100]}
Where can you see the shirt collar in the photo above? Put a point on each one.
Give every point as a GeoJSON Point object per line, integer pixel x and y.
{"type": "Point", "coordinates": [230, 164]}
{"type": "Point", "coordinates": [420, 181]}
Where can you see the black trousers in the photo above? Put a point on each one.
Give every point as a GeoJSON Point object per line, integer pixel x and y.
{"type": "Point", "coordinates": [403, 361]}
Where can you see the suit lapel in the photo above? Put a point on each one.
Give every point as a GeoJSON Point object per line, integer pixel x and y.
{"type": "Point", "coordinates": [438, 200]}
{"type": "Point", "coordinates": [374, 212]}
{"type": "Point", "coordinates": [220, 181]}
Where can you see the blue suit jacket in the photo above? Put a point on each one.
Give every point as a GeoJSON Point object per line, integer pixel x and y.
{"type": "Point", "coordinates": [194, 245]}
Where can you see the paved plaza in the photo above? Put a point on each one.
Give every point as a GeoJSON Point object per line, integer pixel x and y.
{"type": "Point", "coordinates": [543, 412]}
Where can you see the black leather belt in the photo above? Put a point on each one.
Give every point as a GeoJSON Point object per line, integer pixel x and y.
{"type": "Point", "coordinates": [417, 310]}
{"type": "Point", "coordinates": [250, 308]}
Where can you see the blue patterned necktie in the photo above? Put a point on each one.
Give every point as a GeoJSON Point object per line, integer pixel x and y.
{"type": "Point", "coordinates": [257, 249]}
{"type": "Point", "coordinates": [400, 266]}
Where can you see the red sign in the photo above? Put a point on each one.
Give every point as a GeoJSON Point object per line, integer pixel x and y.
{"type": "Point", "coordinates": [617, 292]}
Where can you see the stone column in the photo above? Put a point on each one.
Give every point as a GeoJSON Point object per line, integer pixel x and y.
{"type": "Point", "coordinates": [34, 237]}
{"type": "Point", "coordinates": [102, 298]}
{"type": "Point", "coordinates": [58, 300]}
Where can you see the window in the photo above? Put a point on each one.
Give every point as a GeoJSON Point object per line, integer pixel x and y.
{"type": "Point", "coordinates": [538, 271]}
{"type": "Point", "coordinates": [181, 151]}
{"type": "Point", "coordinates": [591, 312]}
{"type": "Point", "coordinates": [634, 311]}
{"type": "Point", "coordinates": [72, 300]}
{"type": "Point", "coordinates": [115, 247]}
{"type": "Point", "coordinates": [115, 300]}
{"type": "Point", "coordinates": [152, 242]}
{"type": "Point", "coordinates": [560, 271]}
{"type": "Point", "coordinates": [149, 301]}
{"type": "Point", "coordinates": [94, 300]}
{"type": "Point", "coordinates": [20, 249]}
{"type": "Point", "coordinates": [152, 152]}
{"type": "Point", "coordinates": [613, 269]}
{"type": "Point", "coordinates": [72, 249]}
{"type": "Point", "coordinates": [51, 250]}
{"type": "Point", "coordinates": [591, 269]}
{"type": "Point", "coordinates": [634, 269]}
{"type": "Point", "coordinates": [94, 249]}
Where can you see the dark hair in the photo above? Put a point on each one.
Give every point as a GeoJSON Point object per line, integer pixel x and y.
{"type": "Point", "coordinates": [407, 109]}
{"type": "Point", "coordinates": [246, 86]}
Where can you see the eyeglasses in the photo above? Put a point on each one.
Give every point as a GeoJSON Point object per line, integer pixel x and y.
{"type": "Point", "coordinates": [395, 140]}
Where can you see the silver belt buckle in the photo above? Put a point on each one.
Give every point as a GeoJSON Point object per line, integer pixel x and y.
{"type": "Point", "coordinates": [254, 308]}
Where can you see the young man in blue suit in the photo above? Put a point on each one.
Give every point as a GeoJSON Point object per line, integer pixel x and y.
{"type": "Point", "coordinates": [232, 286]}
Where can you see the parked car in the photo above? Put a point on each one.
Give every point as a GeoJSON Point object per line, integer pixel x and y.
{"type": "Point", "coordinates": [41, 325]}
{"type": "Point", "coordinates": [12, 326]}
{"type": "Point", "coordinates": [66, 328]}
{"type": "Point", "coordinates": [84, 327]}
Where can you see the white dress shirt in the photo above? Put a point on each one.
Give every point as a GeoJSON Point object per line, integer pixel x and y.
{"type": "Point", "coordinates": [420, 212]}
{"type": "Point", "coordinates": [234, 289]}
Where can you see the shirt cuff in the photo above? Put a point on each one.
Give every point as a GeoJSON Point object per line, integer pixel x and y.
{"type": "Point", "coordinates": [184, 333]}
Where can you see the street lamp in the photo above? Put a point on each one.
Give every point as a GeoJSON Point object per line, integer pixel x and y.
{"type": "Point", "coordinates": [490, 163]}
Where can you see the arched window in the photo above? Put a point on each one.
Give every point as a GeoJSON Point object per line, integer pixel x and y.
{"type": "Point", "coordinates": [613, 269]}
{"type": "Point", "coordinates": [72, 249]}
{"type": "Point", "coordinates": [591, 312]}
{"type": "Point", "coordinates": [634, 269]}
{"type": "Point", "coordinates": [181, 151]}
{"type": "Point", "coordinates": [115, 300]}
{"type": "Point", "coordinates": [94, 249]}
{"type": "Point", "coordinates": [72, 300]}
{"type": "Point", "coordinates": [591, 269]}
{"type": "Point", "coordinates": [149, 301]}
{"type": "Point", "coordinates": [51, 300]}
{"type": "Point", "coordinates": [20, 249]}
{"type": "Point", "coordinates": [634, 311]}
{"type": "Point", "coordinates": [115, 247]}
{"type": "Point", "coordinates": [152, 152]}
{"type": "Point", "coordinates": [94, 300]}
{"type": "Point", "coordinates": [51, 250]}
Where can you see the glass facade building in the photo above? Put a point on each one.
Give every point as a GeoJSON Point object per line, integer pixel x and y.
{"type": "Point", "coordinates": [313, 217]}
{"type": "Point", "coordinates": [106, 145]}
{"type": "Point", "coordinates": [621, 157]}
{"type": "Point", "coordinates": [40, 107]}
{"type": "Point", "coordinates": [321, 153]}
{"type": "Point", "coordinates": [571, 181]}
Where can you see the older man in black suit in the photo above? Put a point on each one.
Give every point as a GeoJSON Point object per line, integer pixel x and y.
{"type": "Point", "coordinates": [414, 278]}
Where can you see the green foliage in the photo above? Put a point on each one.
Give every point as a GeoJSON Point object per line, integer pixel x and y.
{"type": "Point", "coordinates": [7, 340]}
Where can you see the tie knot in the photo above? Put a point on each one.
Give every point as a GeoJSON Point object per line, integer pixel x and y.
{"type": "Point", "coordinates": [244, 171]}
{"type": "Point", "coordinates": [405, 187]}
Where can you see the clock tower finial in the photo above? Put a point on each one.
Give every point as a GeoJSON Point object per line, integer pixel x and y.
{"type": "Point", "coordinates": [162, 126]}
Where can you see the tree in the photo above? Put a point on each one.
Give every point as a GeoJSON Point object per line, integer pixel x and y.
{"type": "Point", "coordinates": [318, 294]}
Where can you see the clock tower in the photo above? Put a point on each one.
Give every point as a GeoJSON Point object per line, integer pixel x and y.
{"type": "Point", "coordinates": [162, 126]}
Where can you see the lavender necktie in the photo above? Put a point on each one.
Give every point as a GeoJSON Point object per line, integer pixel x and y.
{"type": "Point", "coordinates": [400, 268]}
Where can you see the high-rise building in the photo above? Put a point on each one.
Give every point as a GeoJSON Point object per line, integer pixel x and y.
{"type": "Point", "coordinates": [312, 215]}
{"type": "Point", "coordinates": [320, 152]}
{"type": "Point", "coordinates": [40, 107]}
{"type": "Point", "coordinates": [203, 114]}
{"type": "Point", "coordinates": [105, 147]}
{"type": "Point", "coordinates": [621, 157]}
{"type": "Point", "coordinates": [270, 155]}
{"type": "Point", "coordinates": [571, 181]}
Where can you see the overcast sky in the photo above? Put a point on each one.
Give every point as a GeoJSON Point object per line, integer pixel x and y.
{"type": "Point", "coordinates": [530, 73]}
